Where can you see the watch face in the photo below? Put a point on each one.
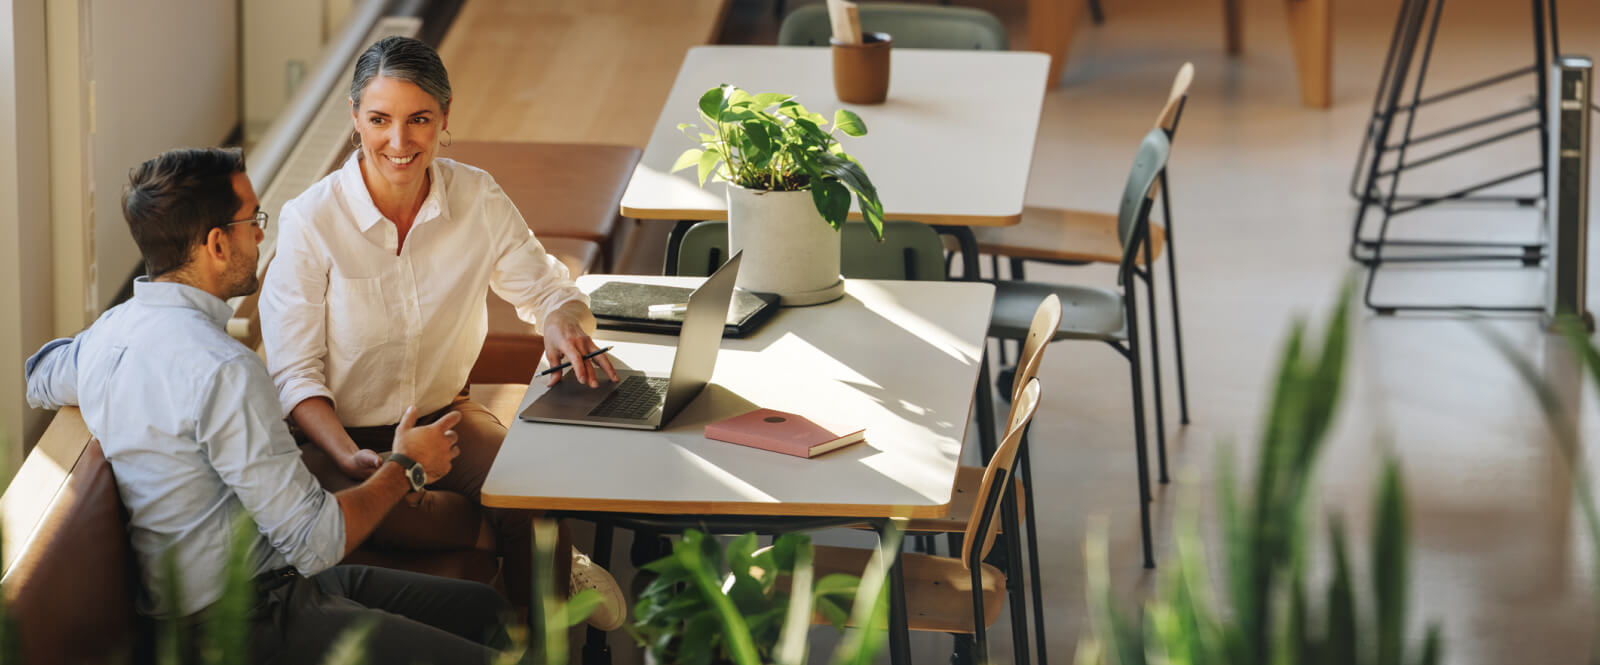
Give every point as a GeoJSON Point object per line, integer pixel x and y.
{"type": "Point", "coordinates": [418, 476]}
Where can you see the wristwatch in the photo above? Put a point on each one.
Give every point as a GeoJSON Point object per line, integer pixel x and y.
{"type": "Point", "coordinates": [413, 469]}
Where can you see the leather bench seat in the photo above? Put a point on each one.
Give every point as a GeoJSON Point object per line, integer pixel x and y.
{"type": "Point", "coordinates": [564, 190]}
{"type": "Point", "coordinates": [71, 589]}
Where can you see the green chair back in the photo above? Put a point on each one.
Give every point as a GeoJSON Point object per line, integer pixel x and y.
{"type": "Point", "coordinates": [910, 25]}
{"type": "Point", "coordinates": [1133, 214]}
{"type": "Point", "coordinates": [910, 250]}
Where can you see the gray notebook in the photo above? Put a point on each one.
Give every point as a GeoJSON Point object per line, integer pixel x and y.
{"type": "Point", "coordinates": [625, 306]}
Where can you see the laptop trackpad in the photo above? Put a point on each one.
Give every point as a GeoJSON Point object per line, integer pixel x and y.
{"type": "Point", "coordinates": [570, 396]}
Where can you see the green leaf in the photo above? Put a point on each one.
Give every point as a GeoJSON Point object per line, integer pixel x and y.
{"type": "Point", "coordinates": [698, 553]}
{"type": "Point", "coordinates": [581, 605]}
{"type": "Point", "coordinates": [1341, 632]}
{"type": "Point", "coordinates": [832, 201]}
{"type": "Point", "coordinates": [714, 100]}
{"type": "Point", "coordinates": [349, 649]}
{"type": "Point", "coordinates": [689, 158]}
{"type": "Point", "coordinates": [699, 640]}
{"type": "Point", "coordinates": [871, 608]}
{"type": "Point", "coordinates": [1432, 650]}
{"type": "Point", "coordinates": [791, 647]}
{"type": "Point", "coordinates": [767, 99]}
{"type": "Point", "coordinates": [848, 122]}
{"type": "Point", "coordinates": [1389, 566]}
{"type": "Point", "coordinates": [708, 163]}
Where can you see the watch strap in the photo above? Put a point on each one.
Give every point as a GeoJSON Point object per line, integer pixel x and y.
{"type": "Point", "coordinates": [408, 465]}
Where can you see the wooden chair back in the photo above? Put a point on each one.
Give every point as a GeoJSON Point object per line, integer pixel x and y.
{"type": "Point", "coordinates": [986, 518]}
{"type": "Point", "coordinates": [1168, 120]}
{"type": "Point", "coordinates": [1046, 319]}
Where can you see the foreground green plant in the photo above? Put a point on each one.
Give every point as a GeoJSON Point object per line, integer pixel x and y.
{"type": "Point", "coordinates": [1266, 613]}
{"type": "Point", "coordinates": [747, 606]}
{"type": "Point", "coordinates": [770, 142]}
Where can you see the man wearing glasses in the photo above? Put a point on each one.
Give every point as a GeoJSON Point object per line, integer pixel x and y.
{"type": "Point", "coordinates": [191, 425]}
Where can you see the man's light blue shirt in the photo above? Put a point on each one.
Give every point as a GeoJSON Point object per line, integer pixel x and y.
{"type": "Point", "coordinates": [190, 422]}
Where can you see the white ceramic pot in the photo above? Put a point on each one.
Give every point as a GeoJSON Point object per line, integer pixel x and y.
{"type": "Point", "coordinates": [788, 248]}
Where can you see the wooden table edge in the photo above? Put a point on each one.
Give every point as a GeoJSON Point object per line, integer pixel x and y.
{"type": "Point", "coordinates": [864, 511]}
{"type": "Point", "coordinates": [707, 214]}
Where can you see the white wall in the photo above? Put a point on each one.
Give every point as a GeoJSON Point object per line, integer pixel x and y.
{"type": "Point", "coordinates": [279, 47]}
{"type": "Point", "coordinates": [165, 74]}
{"type": "Point", "coordinates": [26, 314]}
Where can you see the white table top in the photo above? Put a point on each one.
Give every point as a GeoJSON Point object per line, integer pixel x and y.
{"type": "Point", "coordinates": [900, 358]}
{"type": "Point", "coordinates": [952, 145]}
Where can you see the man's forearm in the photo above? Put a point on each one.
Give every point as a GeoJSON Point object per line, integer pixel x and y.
{"type": "Point", "coordinates": [366, 504]}
{"type": "Point", "coordinates": [52, 375]}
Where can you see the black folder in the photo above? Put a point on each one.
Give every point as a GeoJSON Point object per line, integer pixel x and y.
{"type": "Point", "coordinates": [619, 305]}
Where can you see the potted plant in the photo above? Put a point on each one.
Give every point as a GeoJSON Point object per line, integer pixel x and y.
{"type": "Point", "coordinates": [748, 606]}
{"type": "Point", "coordinates": [785, 174]}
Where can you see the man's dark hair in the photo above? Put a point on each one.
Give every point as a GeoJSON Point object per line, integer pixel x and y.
{"type": "Point", "coordinates": [174, 200]}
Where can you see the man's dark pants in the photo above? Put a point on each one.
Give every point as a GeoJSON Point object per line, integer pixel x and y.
{"type": "Point", "coordinates": [414, 618]}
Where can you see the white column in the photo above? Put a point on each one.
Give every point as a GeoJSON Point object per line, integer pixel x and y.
{"type": "Point", "coordinates": [26, 314]}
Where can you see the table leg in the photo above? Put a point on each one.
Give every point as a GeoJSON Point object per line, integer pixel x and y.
{"type": "Point", "coordinates": [969, 249]}
{"type": "Point", "coordinates": [1311, 31]}
{"type": "Point", "coordinates": [899, 628]}
{"type": "Point", "coordinates": [1232, 27]}
{"type": "Point", "coordinates": [670, 266]}
{"type": "Point", "coordinates": [595, 649]}
{"type": "Point", "coordinates": [1050, 25]}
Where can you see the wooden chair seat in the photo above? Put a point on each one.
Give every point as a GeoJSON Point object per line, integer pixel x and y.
{"type": "Point", "coordinates": [938, 589]}
{"type": "Point", "coordinates": [1053, 234]}
{"type": "Point", "coordinates": [565, 190]}
{"type": "Point", "coordinates": [512, 349]}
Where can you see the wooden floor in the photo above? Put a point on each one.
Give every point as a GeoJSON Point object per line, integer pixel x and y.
{"type": "Point", "coordinates": [589, 71]}
{"type": "Point", "coordinates": [1258, 184]}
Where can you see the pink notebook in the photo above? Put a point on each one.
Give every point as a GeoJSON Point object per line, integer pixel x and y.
{"type": "Point", "coordinates": [783, 432]}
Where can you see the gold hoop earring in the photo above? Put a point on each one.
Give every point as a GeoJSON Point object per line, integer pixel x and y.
{"type": "Point", "coordinates": [446, 142]}
{"type": "Point", "coordinates": [355, 139]}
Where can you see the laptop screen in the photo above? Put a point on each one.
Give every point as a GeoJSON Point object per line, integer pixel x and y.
{"type": "Point", "coordinates": [702, 329]}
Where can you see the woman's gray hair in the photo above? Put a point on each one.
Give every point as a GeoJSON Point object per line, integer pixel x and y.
{"type": "Point", "coordinates": [405, 59]}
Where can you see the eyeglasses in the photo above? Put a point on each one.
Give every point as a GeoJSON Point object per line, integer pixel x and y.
{"type": "Point", "coordinates": [260, 220]}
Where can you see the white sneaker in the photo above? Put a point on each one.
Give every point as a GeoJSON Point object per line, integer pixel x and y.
{"type": "Point", "coordinates": [613, 609]}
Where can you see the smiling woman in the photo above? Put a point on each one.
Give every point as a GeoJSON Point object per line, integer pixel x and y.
{"type": "Point", "coordinates": [375, 303]}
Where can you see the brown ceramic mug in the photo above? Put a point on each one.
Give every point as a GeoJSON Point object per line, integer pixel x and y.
{"type": "Point", "coordinates": [861, 71]}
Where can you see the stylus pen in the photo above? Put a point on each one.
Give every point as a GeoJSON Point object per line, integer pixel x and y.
{"type": "Point", "coordinates": [565, 365]}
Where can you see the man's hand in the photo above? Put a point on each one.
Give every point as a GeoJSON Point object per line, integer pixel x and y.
{"type": "Point", "coordinates": [361, 464]}
{"type": "Point", "coordinates": [432, 446]}
{"type": "Point", "coordinates": [566, 339]}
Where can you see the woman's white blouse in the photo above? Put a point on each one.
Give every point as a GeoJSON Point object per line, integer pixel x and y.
{"type": "Point", "coordinates": [344, 317]}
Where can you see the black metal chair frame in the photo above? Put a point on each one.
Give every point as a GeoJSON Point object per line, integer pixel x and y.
{"type": "Point", "coordinates": [1416, 29]}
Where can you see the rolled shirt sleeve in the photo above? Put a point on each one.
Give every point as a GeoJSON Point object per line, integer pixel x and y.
{"type": "Point", "coordinates": [294, 314]}
{"type": "Point", "coordinates": [241, 430]}
{"type": "Point", "coordinates": [52, 374]}
{"type": "Point", "coordinates": [525, 275]}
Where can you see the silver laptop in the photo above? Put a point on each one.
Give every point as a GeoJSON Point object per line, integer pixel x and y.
{"type": "Point", "coordinates": [639, 400]}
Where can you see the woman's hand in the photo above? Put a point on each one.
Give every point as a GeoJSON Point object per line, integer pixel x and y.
{"type": "Point", "coordinates": [566, 339]}
{"type": "Point", "coordinates": [361, 464]}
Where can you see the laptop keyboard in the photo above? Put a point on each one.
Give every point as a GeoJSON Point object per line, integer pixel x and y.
{"type": "Point", "coordinates": [634, 398]}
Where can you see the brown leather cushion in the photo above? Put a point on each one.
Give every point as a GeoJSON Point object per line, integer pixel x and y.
{"type": "Point", "coordinates": [71, 591]}
{"type": "Point", "coordinates": [512, 349]}
{"type": "Point", "coordinates": [567, 190]}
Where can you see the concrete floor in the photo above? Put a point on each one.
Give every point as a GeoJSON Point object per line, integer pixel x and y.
{"type": "Point", "coordinates": [1499, 557]}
